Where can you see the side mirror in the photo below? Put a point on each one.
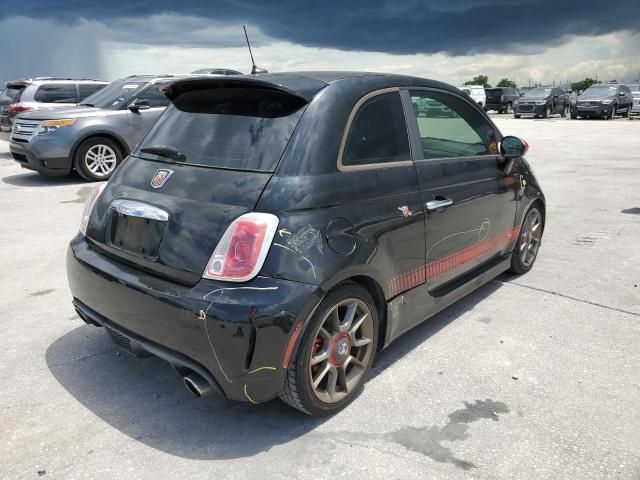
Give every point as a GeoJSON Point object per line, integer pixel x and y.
{"type": "Point", "coordinates": [555, 97]}
{"type": "Point", "coordinates": [513, 147]}
{"type": "Point", "coordinates": [136, 106]}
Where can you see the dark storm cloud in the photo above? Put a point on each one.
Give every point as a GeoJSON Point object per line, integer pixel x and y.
{"type": "Point", "coordinates": [402, 26]}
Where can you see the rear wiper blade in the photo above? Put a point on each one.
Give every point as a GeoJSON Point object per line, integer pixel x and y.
{"type": "Point", "coordinates": [86, 105]}
{"type": "Point", "coordinates": [165, 151]}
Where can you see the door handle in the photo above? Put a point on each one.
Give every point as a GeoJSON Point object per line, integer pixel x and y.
{"type": "Point", "coordinates": [438, 204]}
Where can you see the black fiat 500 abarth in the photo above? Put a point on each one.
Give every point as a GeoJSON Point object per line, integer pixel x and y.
{"type": "Point", "coordinates": [271, 233]}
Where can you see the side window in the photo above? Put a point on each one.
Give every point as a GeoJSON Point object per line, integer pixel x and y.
{"type": "Point", "coordinates": [87, 89]}
{"type": "Point", "coordinates": [450, 127]}
{"type": "Point", "coordinates": [154, 96]}
{"type": "Point", "coordinates": [378, 133]}
{"type": "Point", "coordinates": [56, 93]}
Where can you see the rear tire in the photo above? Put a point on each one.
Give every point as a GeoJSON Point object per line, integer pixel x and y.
{"type": "Point", "coordinates": [525, 251]}
{"type": "Point", "coordinates": [328, 334]}
{"type": "Point", "coordinates": [97, 158]}
{"type": "Point", "coordinates": [516, 116]}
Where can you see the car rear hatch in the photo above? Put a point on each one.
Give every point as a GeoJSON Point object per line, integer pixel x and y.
{"type": "Point", "coordinates": [203, 164]}
{"type": "Point", "coordinates": [11, 94]}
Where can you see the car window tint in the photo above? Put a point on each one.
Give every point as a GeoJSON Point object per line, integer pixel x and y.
{"type": "Point", "coordinates": [56, 93]}
{"type": "Point", "coordinates": [378, 133]}
{"type": "Point", "coordinates": [87, 89]}
{"type": "Point", "coordinates": [449, 126]}
{"type": "Point", "coordinates": [154, 97]}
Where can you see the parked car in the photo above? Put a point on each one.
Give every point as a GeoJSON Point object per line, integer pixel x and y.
{"type": "Point", "coordinates": [216, 71]}
{"type": "Point", "coordinates": [269, 234]}
{"type": "Point", "coordinates": [604, 100]}
{"type": "Point", "coordinates": [476, 92]}
{"type": "Point", "coordinates": [635, 93]}
{"type": "Point", "coordinates": [542, 102]}
{"type": "Point", "coordinates": [44, 92]}
{"type": "Point", "coordinates": [501, 99]}
{"type": "Point", "coordinates": [93, 137]}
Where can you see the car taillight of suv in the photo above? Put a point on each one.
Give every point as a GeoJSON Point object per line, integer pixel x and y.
{"type": "Point", "coordinates": [18, 108]}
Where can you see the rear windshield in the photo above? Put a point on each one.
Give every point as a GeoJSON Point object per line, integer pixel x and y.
{"type": "Point", "coordinates": [13, 93]}
{"type": "Point", "coordinates": [232, 128]}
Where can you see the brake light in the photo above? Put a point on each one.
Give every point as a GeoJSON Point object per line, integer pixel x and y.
{"type": "Point", "coordinates": [91, 200]}
{"type": "Point", "coordinates": [18, 107]}
{"type": "Point", "coordinates": [243, 248]}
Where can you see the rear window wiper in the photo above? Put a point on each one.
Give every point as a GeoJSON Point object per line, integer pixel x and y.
{"type": "Point", "coordinates": [165, 151]}
{"type": "Point", "coordinates": [86, 105]}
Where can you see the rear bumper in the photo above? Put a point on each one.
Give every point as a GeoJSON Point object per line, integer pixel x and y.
{"type": "Point", "coordinates": [233, 335]}
{"type": "Point", "coordinates": [41, 156]}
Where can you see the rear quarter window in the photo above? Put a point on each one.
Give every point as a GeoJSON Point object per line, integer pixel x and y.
{"type": "Point", "coordinates": [378, 133]}
{"type": "Point", "coordinates": [232, 128]}
{"type": "Point", "coordinates": [56, 93]}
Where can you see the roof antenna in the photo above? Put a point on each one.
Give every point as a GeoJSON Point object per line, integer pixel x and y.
{"type": "Point", "coordinates": [254, 69]}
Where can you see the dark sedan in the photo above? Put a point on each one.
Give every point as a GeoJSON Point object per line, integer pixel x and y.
{"type": "Point", "coordinates": [271, 233]}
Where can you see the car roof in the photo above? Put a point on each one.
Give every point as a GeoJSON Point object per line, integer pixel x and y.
{"type": "Point", "coordinates": [29, 81]}
{"type": "Point", "coordinates": [302, 84]}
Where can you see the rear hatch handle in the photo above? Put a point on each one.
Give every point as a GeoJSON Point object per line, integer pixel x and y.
{"type": "Point", "coordinates": [133, 208]}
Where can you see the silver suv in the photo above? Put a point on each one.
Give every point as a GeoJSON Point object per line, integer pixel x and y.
{"type": "Point", "coordinates": [43, 92]}
{"type": "Point", "coordinates": [92, 137]}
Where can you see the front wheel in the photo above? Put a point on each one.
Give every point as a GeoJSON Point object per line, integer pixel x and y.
{"type": "Point", "coordinates": [612, 114]}
{"type": "Point", "coordinates": [547, 112]}
{"type": "Point", "coordinates": [97, 158]}
{"type": "Point", "coordinates": [509, 108]}
{"type": "Point", "coordinates": [516, 115]}
{"type": "Point", "coordinates": [526, 248]}
{"type": "Point", "coordinates": [335, 353]}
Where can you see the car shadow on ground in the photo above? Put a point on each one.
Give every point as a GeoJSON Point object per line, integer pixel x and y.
{"type": "Point", "coordinates": [145, 399]}
{"type": "Point", "coordinates": [33, 179]}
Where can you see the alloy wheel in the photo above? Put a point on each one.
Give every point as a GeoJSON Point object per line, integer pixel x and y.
{"type": "Point", "coordinates": [530, 237]}
{"type": "Point", "coordinates": [341, 350]}
{"type": "Point", "coordinates": [100, 160]}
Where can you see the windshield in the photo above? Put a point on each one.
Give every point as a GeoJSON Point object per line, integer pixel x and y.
{"type": "Point", "coordinates": [232, 128]}
{"type": "Point", "coordinates": [115, 95]}
{"type": "Point", "coordinates": [600, 90]}
{"type": "Point", "coordinates": [538, 93]}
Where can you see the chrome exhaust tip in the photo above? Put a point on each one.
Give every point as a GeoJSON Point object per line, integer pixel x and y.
{"type": "Point", "coordinates": [197, 385]}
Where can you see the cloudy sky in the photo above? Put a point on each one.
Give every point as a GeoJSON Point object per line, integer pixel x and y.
{"type": "Point", "coordinates": [452, 40]}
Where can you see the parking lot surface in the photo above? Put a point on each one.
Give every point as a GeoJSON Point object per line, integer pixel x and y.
{"type": "Point", "coordinates": [529, 377]}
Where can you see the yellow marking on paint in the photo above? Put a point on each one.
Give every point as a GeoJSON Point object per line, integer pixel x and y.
{"type": "Point", "coordinates": [247, 395]}
{"type": "Point", "coordinates": [263, 368]}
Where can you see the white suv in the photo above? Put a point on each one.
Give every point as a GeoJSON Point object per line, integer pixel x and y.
{"type": "Point", "coordinates": [476, 92]}
{"type": "Point", "coordinates": [43, 92]}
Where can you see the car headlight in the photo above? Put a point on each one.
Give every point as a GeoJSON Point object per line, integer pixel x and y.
{"type": "Point", "coordinates": [49, 126]}
{"type": "Point", "coordinates": [607, 101]}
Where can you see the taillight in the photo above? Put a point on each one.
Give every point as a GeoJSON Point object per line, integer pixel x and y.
{"type": "Point", "coordinates": [18, 107]}
{"type": "Point", "coordinates": [91, 200]}
{"type": "Point", "coordinates": [243, 248]}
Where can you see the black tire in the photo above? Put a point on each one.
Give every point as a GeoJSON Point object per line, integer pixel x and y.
{"type": "Point", "coordinates": [574, 116]}
{"type": "Point", "coordinates": [297, 390]}
{"type": "Point", "coordinates": [564, 111]}
{"type": "Point", "coordinates": [80, 158]}
{"type": "Point", "coordinates": [519, 266]}
{"type": "Point", "coordinates": [516, 115]}
{"type": "Point", "coordinates": [626, 112]}
{"type": "Point", "coordinates": [612, 115]}
{"type": "Point", "coordinates": [509, 108]}
{"type": "Point", "coordinates": [547, 112]}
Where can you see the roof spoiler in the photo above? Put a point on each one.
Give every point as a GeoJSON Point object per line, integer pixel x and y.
{"type": "Point", "coordinates": [174, 89]}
